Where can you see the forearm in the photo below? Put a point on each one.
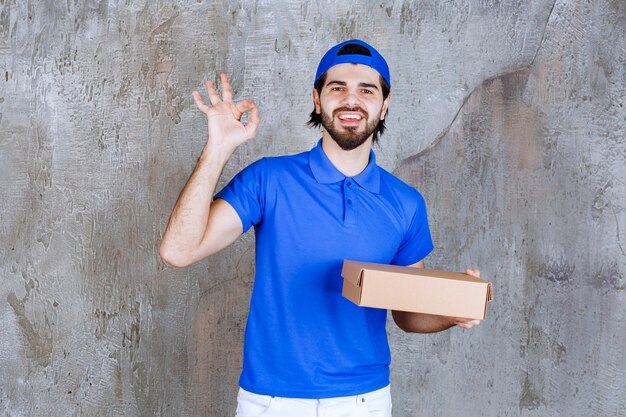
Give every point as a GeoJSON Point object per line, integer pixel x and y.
{"type": "Point", "coordinates": [199, 227]}
{"type": "Point", "coordinates": [428, 323]}
{"type": "Point", "coordinates": [421, 323]}
{"type": "Point", "coordinates": [187, 225]}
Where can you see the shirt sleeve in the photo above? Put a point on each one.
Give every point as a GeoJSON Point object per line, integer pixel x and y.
{"type": "Point", "coordinates": [246, 193]}
{"type": "Point", "coordinates": [417, 242]}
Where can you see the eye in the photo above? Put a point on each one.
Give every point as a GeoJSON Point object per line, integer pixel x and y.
{"type": "Point", "coordinates": [367, 91]}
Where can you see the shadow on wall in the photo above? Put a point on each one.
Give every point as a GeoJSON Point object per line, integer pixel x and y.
{"type": "Point", "coordinates": [510, 189]}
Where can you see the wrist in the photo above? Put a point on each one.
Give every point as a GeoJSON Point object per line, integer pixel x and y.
{"type": "Point", "coordinates": [214, 155]}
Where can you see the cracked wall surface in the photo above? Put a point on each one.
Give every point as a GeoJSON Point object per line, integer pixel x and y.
{"type": "Point", "coordinates": [508, 116]}
{"type": "Point", "coordinates": [535, 192]}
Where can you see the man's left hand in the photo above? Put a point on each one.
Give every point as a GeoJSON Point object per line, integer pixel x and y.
{"type": "Point", "coordinates": [468, 323]}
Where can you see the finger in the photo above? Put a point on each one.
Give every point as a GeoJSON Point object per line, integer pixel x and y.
{"type": "Point", "coordinates": [467, 324]}
{"type": "Point", "coordinates": [227, 92]}
{"type": "Point", "coordinates": [210, 88]}
{"type": "Point", "coordinates": [473, 272]}
{"type": "Point", "coordinates": [245, 105]}
{"type": "Point", "coordinates": [253, 121]}
{"type": "Point", "coordinates": [199, 103]}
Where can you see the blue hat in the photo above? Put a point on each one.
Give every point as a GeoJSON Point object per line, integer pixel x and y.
{"type": "Point", "coordinates": [374, 60]}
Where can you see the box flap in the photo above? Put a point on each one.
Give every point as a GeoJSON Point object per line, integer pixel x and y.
{"type": "Point", "coordinates": [394, 269]}
{"type": "Point", "coordinates": [352, 272]}
{"type": "Point", "coordinates": [489, 298]}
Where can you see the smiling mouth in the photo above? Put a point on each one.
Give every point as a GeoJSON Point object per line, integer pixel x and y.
{"type": "Point", "coordinates": [350, 116]}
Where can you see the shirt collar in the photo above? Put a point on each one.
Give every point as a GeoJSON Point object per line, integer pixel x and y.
{"type": "Point", "coordinates": [325, 172]}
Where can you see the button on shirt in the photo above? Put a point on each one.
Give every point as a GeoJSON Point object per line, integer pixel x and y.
{"type": "Point", "coordinates": [303, 339]}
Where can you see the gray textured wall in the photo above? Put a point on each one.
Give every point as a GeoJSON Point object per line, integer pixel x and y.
{"type": "Point", "coordinates": [508, 115]}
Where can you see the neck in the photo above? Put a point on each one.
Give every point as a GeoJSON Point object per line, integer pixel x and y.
{"type": "Point", "coordinates": [349, 163]}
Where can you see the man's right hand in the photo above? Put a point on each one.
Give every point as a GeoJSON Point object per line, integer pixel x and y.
{"type": "Point", "coordinates": [226, 131]}
{"type": "Point", "coordinates": [199, 226]}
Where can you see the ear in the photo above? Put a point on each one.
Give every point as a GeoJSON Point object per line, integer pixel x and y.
{"type": "Point", "coordinates": [316, 102]}
{"type": "Point", "coordinates": [383, 111]}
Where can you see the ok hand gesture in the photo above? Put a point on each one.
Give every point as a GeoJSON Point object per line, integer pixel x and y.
{"type": "Point", "coordinates": [226, 132]}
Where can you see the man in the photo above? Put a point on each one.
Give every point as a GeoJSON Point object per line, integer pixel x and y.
{"type": "Point", "coordinates": [308, 351]}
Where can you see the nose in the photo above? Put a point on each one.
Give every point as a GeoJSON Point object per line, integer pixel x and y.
{"type": "Point", "coordinates": [351, 99]}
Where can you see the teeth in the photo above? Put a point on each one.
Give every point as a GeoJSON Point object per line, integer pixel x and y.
{"type": "Point", "coordinates": [350, 116]}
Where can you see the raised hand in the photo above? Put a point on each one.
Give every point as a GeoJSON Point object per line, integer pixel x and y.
{"type": "Point", "coordinates": [199, 226]}
{"type": "Point", "coordinates": [226, 131]}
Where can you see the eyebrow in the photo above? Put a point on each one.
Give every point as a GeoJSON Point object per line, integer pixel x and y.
{"type": "Point", "coordinates": [343, 83]}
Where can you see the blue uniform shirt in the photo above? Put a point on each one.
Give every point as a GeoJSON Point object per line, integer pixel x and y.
{"type": "Point", "coordinates": [303, 339]}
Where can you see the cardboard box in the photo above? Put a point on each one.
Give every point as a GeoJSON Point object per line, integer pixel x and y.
{"type": "Point", "coordinates": [415, 289]}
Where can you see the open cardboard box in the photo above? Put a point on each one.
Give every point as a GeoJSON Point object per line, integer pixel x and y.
{"type": "Point", "coordinates": [415, 289]}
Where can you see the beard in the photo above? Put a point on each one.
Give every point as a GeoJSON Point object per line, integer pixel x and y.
{"type": "Point", "coordinates": [349, 138]}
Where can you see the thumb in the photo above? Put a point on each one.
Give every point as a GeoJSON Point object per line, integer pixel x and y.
{"type": "Point", "coordinates": [473, 272]}
{"type": "Point", "coordinates": [254, 120]}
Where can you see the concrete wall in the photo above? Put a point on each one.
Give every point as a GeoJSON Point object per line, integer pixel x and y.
{"type": "Point", "coordinates": [509, 116]}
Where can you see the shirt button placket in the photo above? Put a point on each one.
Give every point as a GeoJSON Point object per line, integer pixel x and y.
{"type": "Point", "coordinates": [349, 202]}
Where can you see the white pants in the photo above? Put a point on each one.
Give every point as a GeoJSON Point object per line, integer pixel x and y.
{"type": "Point", "coordinates": [372, 404]}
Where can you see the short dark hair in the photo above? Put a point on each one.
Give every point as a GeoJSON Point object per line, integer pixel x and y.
{"type": "Point", "coordinates": [315, 119]}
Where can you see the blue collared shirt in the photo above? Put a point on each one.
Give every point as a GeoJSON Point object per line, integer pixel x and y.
{"type": "Point", "coordinates": [303, 339]}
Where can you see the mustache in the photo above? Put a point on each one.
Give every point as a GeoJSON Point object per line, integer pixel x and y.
{"type": "Point", "coordinates": [351, 109]}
